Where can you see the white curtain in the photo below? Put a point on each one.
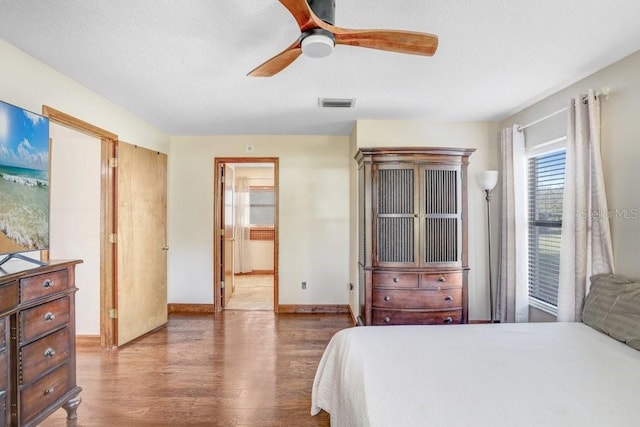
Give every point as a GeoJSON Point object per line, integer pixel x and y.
{"type": "Point", "coordinates": [586, 238]}
{"type": "Point", "coordinates": [513, 290]}
{"type": "Point", "coordinates": [241, 231]}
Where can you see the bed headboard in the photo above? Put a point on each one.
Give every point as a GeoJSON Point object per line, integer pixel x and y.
{"type": "Point", "coordinates": [612, 306]}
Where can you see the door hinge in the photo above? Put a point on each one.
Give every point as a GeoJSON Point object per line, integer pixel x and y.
{"type": "Point", "coordinates": [113, 313]}
{"type": "Point", "coordinates": [113, 162]}
{"type": "Point", "coordinates": [221, 285]}
{"type": "Point", "coordinates": [222, 179]}
{"type": "Point", "coordinates": [113, 238]}
{"type": "Point", "coordinates": [222, 232]}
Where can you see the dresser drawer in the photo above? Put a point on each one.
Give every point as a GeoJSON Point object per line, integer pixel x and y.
{"type": "Point", "coordinates": [8, 296]}
{"type": "Point", "coordinates": [43, 392]}
{"type": "Point", "coordinates": [395, 280]}
{"type": "Point", "coordinates": [398, 317]}
{"type": "Point", "coordinates": [43, 284]}
{"type": "Point", "coordinates": [441, 280]}
{"type": "Point", "coordinates": [42, 355]}
{"type": "Point", "coordinates": [418, 299]}
{"type": "Point", "coordinates": [44, 318]}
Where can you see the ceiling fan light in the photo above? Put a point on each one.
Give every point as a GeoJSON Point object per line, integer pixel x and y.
{"type": "Point", "coordinates": [317, 46]}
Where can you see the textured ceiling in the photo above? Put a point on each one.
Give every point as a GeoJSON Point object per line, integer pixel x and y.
{"type": "Point", "coordinates": [181, 65]}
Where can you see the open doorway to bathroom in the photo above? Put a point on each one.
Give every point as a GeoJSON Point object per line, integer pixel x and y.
{"type": "Point", "coordinates": [246, 241]}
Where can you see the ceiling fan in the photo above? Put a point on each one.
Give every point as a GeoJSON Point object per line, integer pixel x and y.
{"type": "Point", "coordinates": [319, 36]}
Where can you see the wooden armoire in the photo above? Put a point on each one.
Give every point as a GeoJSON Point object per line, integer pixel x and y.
{"type": "Point", "coordinates": [413, 255]}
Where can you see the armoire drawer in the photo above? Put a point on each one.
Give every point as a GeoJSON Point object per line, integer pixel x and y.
{"type": "Point", "coordinates": [44, 318]}
{"type": "Point", "coordinates": [8, 296]}
{"type": "Point", "coordinates": [417, 299]}
{"type": "Point", "coordinates": [441, 280]}
{"type": "Point", "coordinates": [399, 317]}
{"type": "Point", "coordinates": [43, 392]}
{"type": "Point", "coordinates": [395, 280]}
{"type": "Point", "coordinates": [43, 284]}
{"type": "Point", "coordinates": [44, 354]}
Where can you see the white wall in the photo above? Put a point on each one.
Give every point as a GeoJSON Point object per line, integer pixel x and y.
{"type": "Point", "coordinates": [620, 137]}
{"type": "Point", "coordinates": [75, 217]}
{"type": "Point", "coordinates": [478, 135]}
{"type": "Point", "coordinates": [313, 215]}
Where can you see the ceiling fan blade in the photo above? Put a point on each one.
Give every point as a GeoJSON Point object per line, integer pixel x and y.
{"type": "Point", "coordinates": [279, 62]}
{"type": "Point", "coordinates": [302, 13]}
{"type": "Point", "coordinates": [414, 43]}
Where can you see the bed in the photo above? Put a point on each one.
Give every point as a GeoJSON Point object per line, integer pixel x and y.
{"type": "Point", "coordinates": [526, 374]}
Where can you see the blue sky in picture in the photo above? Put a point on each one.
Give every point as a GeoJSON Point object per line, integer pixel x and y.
{"type": "Point", "coordinates": [24, 138]}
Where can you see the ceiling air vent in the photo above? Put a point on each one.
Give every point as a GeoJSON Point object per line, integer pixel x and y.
{"type": "Point", "coordinates": [336, 102]}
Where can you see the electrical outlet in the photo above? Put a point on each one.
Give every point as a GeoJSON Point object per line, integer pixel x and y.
{"type": "Point", "coordinates": [304, 285]}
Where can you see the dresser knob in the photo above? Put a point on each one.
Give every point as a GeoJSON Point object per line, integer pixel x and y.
{"type": "Point", "coordinates": [448, 298]}
{"type": "Point", "coordinates": [48, 284]}
{"type": "Point", "coordinates": [387, 319]}
{"type": "Point", "coordinates": [442, 279]}
{"type": "Point", "coordinates": [387, 298]}
{"type": "Point", "coordinates": [49, 353]}
{"type": "Point", "coordinates": [396, 280]}
{"type": "Point", "coordinates": [49, 317]}
{"type": "Point", "coordinates": [49, 391]}
{"type": "Point", "coordinates": [448, 320]}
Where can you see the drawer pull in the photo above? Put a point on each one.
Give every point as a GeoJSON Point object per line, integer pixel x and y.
{"type": "Point", "coordinates": [387, 319]}
{"type": "Point", "coordinates": [442, 279]}
{"type": "Point", "coordinates": [47, 284]}
{"type": "Point", "coordinates": [49, 391]}
{"type": "Point", "coordinates": [49, 317]}
{"type": "Point", "coordinates": [387, 298]}
{"type": "Point", "coordinates": [448, 320]}
{"type": "Point", "coordinates": [48, 353]}
{"type": "Point", "coordinates": [396, 280]}
{"type": "Point", "coordinates": [448, 298]}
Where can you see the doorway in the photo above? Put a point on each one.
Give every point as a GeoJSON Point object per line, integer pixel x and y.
{"type": "Point", "coordinates": [246, 248]}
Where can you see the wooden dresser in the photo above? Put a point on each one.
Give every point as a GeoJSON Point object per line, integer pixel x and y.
{"type": "Point", "coordinates": [37, 343]}
{"type": "Point", "coordinates": [413, 256]}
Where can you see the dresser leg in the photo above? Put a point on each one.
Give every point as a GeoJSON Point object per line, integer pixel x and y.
{"type": "Point", "coordinates": [72, 406]}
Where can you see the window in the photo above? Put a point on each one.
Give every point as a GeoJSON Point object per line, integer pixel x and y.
{"type": "Point", "coordinates": [545, 192]}
{"type": "Point", "coordinates": [262, 206]}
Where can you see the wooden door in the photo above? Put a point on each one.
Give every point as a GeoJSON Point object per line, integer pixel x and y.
{"type": "Point", "coordinates": [228, 221]}
{"type": "Point", "coordinates": [141, 241]}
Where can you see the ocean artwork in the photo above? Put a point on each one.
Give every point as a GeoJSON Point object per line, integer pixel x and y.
{"type": "Point", "coordinates": [24, 180]}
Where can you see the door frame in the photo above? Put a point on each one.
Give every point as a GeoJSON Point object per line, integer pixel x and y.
{"type": "Point", "coordinates": [218, 206]}
{"type": "Point", "coordinates": [108, 218]}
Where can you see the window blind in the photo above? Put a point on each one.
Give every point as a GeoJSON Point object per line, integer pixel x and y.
{"type": "Point", "coordinates": [546, 190]}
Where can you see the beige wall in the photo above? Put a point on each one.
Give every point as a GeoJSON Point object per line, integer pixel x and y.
{"type": "Point", "coordinates": [28, 83]}
{"type": "Point", "coordinates": [313, 214]}
{"type": "Point", "coordinates": [620, 149]}
{"type": "Point", "coordinates": [412, 133]}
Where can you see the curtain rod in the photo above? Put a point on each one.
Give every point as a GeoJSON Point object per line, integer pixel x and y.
{"type": "Point", "coordinates": [605, 91]}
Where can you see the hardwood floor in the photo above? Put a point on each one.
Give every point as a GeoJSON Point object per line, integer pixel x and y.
{"type": "Point", "coordinates": [239, 368]}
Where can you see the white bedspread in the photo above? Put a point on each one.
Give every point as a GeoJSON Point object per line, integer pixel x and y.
{"type": "Point", "coordinates": [528, 374]}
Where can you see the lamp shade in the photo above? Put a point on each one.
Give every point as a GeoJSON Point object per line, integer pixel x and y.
{"type": "Point", "coordinates": [487, 179]}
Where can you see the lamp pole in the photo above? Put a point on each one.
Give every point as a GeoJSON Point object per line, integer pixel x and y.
{"type": "Point", "coordinates": [488, 199]}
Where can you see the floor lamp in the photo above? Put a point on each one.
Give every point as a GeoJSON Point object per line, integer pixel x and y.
{"type": "Point", "coordinates": [488, 181]}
